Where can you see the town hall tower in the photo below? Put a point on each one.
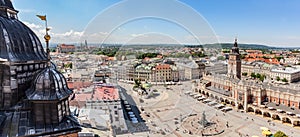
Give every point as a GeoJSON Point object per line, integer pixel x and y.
{"type": "Point", "coordinates": [234, 62]}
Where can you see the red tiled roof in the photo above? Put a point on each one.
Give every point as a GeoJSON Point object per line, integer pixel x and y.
{"type": "Point", "coordinates": [254, 59]}
{"type": "Point", "coordinates": [70, 85]}
{"type": "Point", "coordinates": [269, 61]}
{"type": "Point", "coordinates": [146, 58]}
{"type": "Point", "coordinates": [64, 46]}
{"type": "Point", "coordinates": [163, 66]}
{"type": "Point", "coordinates": [255, 55]}
{"type": "Point", "coordinates": [106, 93]}
{"type": "Point", "coordinates": [272, 61]}
{"type": "Point", "coordinates": [253, 51]}
{"type": "Point", "coordinates": [110, 58]}
{"type": "Point", "coordinates": [159, 56]}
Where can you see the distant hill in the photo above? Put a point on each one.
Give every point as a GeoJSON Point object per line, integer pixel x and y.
{"type": "Point", "coordinates": [242, 46]}
{"type": "Point", "coordinates": [216, 45]}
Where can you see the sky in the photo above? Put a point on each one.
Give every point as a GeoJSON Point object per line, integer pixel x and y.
{"type": "Point", "coordinates": [268, 22]}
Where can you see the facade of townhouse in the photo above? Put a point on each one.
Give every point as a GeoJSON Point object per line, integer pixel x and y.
{"type": "Point", "coordinates": [291, 74]}
{"type": "Point", "coordinates": [157, 71]}
{"type": "Point", "coordinates": [191, 69]}
{"type": "Point", "coordinates": [161, 73]}
{"type": "Point", "coordinates": [216, 67]}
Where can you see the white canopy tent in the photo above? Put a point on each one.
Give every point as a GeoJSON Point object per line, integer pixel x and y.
{"type": "Point", "coordinates": [212, 103]}
{"type": "Point", "coordinates": [219, 105]}
{"type": "Point", "coordinates": [279, 110]}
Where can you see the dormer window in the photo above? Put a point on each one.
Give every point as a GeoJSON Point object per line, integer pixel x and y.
{"type": "Point", "coordinates": [8, 11]}
{"type": "Point", "coordinates": [11, 15]}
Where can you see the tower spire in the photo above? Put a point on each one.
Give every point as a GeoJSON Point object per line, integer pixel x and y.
{"type": "Point", "coordinates": [47, 38]}
{"type": "Point", "coordinates": [235, 42]}
{"type": "Point", "coordinates": [234, 62]}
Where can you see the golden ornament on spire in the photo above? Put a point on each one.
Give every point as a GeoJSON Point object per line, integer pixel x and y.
{"type": "Point", "coordinates": [42, 17]}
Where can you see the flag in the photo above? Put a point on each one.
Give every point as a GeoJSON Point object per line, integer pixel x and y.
{"type": "Point", "coordinates": [47, 29]}
{"type": "Point", "coordinates": [41, 17]}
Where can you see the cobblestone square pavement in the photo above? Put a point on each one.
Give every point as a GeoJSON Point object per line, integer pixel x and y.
{"type": "Point", "coordinates": [168, 112]}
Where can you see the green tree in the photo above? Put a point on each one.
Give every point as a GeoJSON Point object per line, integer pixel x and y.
{"type": "Point", "coordinates": [266, 57]}
{"type": "Point", "coordinates": [149, 55]}
{"type": "Point", "coordinates": [135, 86]}
{"type": "Point", "coordinates": [295, 51]}
{"type": "Point", "coordinates": [137, 82]}
{"type": "Point", "coordinates": [253, 75]}
{"type": "Point", "coordinates": [198, 54]}
{"type": "Point", "coordinates": [279, 57]}
{"type": "Point", "coordinates": [244, 73]}
{"type": "Point", "coordinates": [243, 56]}
{"type": "Point", "coordinates": [258, 75]}
{"type": "Point", "coordinates": [68, 65]}
{"type": "Point", "coordinates": [226, 50]}
{"type": "Point", "coordinates": [100, 53]}
{"type": "Point", "coordinates": [221, 58]}
{"type": "Point", "coordinates": [284, 80]}
{"type": "Point", "coordinates": [110, 51]}
{"type": "Point", "coordinates": [262, 78]}
{"type": "Point", "coordinates": [277, 78]}
{"type": "Point", "coordinates": [52, 50]}
{"type": "Point", "coordinates": [280, 134]}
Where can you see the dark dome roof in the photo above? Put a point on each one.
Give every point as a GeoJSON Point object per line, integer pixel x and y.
{"type": "Point", "coordinates": [49, 84]}
{"type": "Point", "coordinates": [52, 65]}
{"type": "Point", "coordinates": [6, 3]}
{"type": "Point", "coordinates": [17, 41]}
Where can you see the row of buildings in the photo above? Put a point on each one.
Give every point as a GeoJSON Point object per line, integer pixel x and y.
{"type": "Point", "coordinates": [285, 57]}
{"type": "Point", "coordinates": [263, 98]}
{"type": "Point", "coordinates": [272, 72]}
{"type": "Point", "coordinates": [158, 71]}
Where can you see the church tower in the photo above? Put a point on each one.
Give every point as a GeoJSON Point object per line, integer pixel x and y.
{"type": "Point", "coordinates": [234, 62]}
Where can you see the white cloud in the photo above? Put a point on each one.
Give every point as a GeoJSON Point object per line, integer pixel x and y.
{"type": "Point", "coordinates": [138, 35]}
{"type": "Point", "coordinates": [32, 25]}
{"type": "Point", "coordinates": [65, 37]}
{"type": "Point", "coordinates": [70, 33]}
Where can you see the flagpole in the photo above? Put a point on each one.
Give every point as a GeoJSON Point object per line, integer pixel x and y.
{"type": "Point", "coordinates": [47, 39]}
{"type": "Point", "coordinates": [46, 24]}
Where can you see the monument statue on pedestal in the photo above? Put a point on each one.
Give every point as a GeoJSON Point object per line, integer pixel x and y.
{"type": "Point", "coordinates": [203, 122]}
